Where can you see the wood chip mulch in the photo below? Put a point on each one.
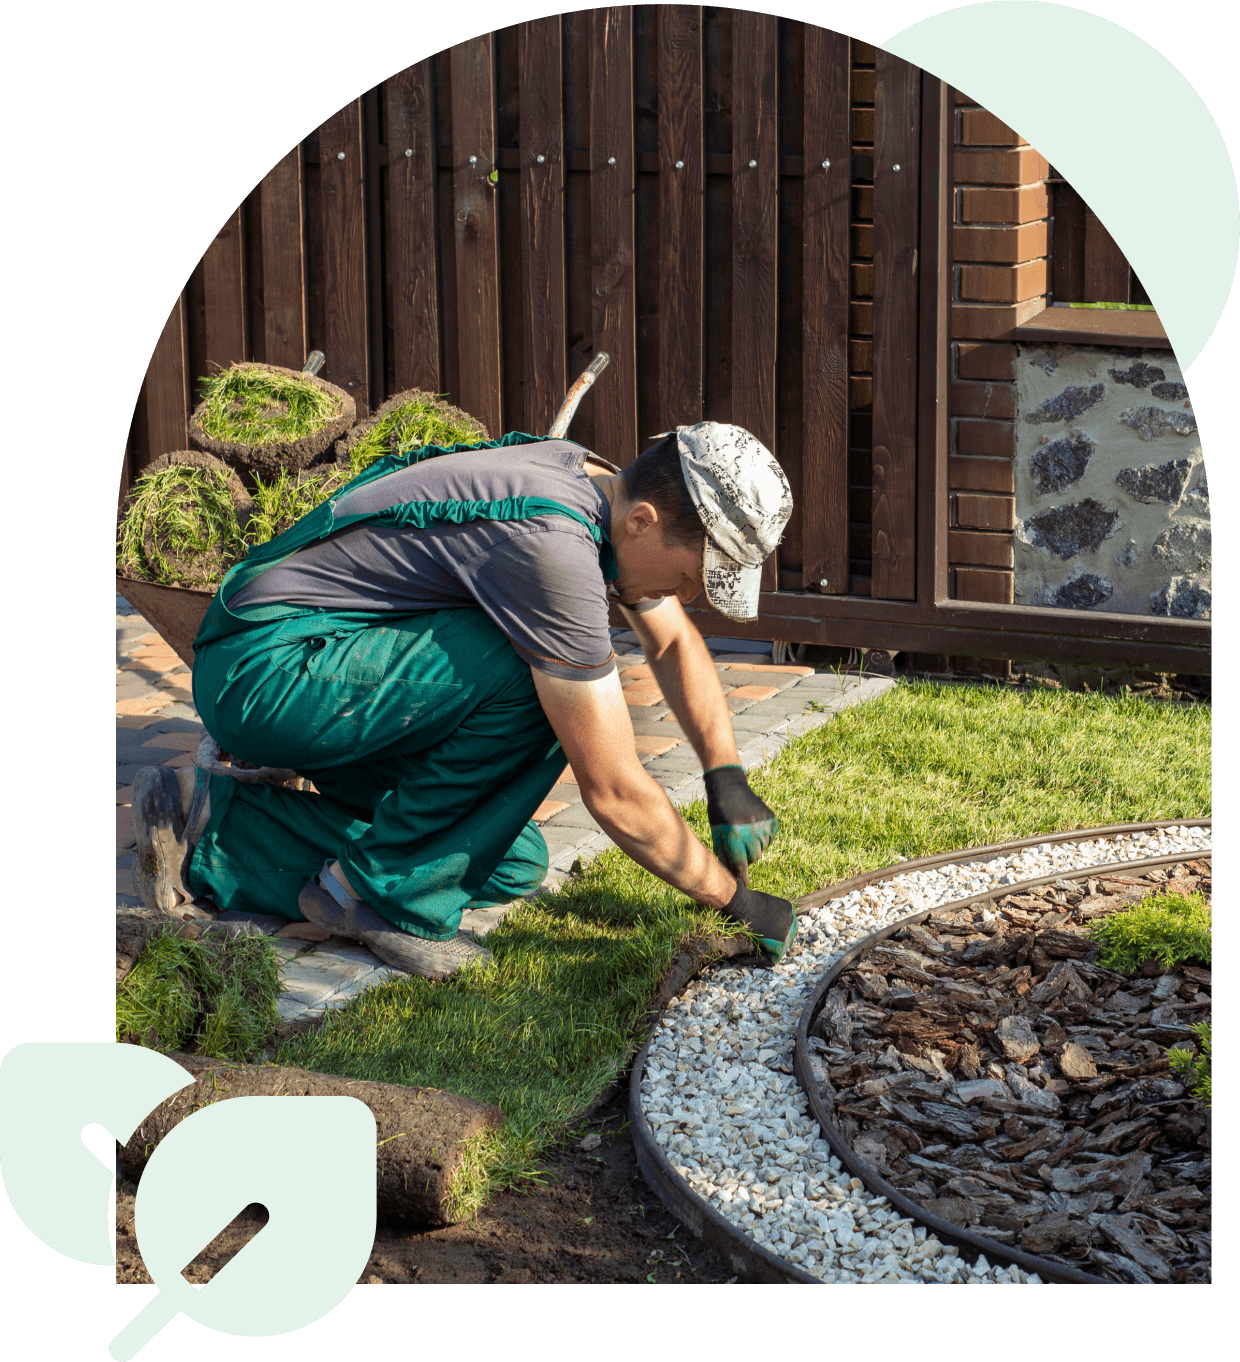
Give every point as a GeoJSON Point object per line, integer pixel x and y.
{"type": "Point", "coordinates": [986, 1065]}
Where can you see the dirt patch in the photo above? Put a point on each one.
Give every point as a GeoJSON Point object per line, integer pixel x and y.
{"type": "Point", "coordinates": [593, 1219]}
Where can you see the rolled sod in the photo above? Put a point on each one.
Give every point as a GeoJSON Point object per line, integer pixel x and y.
{"type": "Point", "coordinates": [421, 1131]}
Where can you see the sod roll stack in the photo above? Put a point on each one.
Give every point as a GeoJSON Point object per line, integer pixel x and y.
{"type": "Point", "coordinates": [421, 1131]}
{"type": "Point", "coordinates": [269, 420]}
{"type": "Point", "coordinates": [407, 420]}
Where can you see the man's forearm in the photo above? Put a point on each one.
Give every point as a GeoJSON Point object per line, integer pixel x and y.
{"type": "Point", "coordinates": [686, 674]}
{"type": "Point", "coordinates": [645, 826]}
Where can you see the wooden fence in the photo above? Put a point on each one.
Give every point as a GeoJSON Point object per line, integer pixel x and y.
{"type": "Point", "coordinates": [749, 214]}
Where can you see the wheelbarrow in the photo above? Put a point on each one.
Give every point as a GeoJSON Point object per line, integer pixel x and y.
{"type": "Point", "coordinates": [176, 612]}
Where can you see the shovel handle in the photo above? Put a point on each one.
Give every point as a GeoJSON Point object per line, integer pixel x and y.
{"type": "Point", "coordinates": [572, 399]}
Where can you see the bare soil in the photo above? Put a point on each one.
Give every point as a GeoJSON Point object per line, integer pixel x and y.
{"type": "Point", "coordinates": [593, 1220]}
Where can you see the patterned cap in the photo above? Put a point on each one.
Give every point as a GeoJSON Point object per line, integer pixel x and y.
{"type": "Point", "coordinates": [744, 501]}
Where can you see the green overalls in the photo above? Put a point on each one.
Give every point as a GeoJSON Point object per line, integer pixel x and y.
{"type": "Point", "coordinates": [422, 733]}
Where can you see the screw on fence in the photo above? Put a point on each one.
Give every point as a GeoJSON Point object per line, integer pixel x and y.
{"type": "Point", "coordinates": [340, 156]}
{"type": "Point", "coordinates": [408, 151]}
{"type": "Point", "coordinates": [611, 160]}
{"type": "Point", "coordinates": [826, 165]}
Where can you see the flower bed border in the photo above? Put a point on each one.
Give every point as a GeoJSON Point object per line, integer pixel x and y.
{"type": "Point", "coordinates": [749, 1259]}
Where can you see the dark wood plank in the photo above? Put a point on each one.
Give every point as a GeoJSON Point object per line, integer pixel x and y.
{"type": "Point", "coordinates": [281, 199]}
{"type": "Point", "coordinates": [934, 432]}
{"type": "Point", "coordinates": [346, 340]}
{"type": "Point", "coordinates": [612, 247]}
{"type": "Point", "coordinates": [897, 142]}
{"type": "Point", "coordinates": [1108, 278]}
{"type": "Point", "coordinates": [223, 287]}
{"type": "Point", "coordinates": [477, 231]}
{"type": "Point", "coordinates": [373, 190]}
{"type": "Point", "coordinates": [680, 214]}
{"type": "Point", "coordinates": [166, 390]}
{"type": "Point", "coordinates": [542, 220]}
{"type": "Point", "coordinates": [824, 367]}
{"type": "Point", "coordinates": [755, 226]}
{"type": "Point", "coordinates": [412, 250]}
{"type": "Point", "coordinates": [1068, 250]}
{"type": "Point", "coordinates": [507, 198]}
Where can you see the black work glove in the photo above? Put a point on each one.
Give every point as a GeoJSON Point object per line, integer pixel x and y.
{"type": "Point", "coordinates": [741, 825]}
{"type": "Point", "coordinates": [772, 920]}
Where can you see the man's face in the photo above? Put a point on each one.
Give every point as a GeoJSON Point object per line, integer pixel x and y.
{"type": "Point", "coordinates": [650, 566]}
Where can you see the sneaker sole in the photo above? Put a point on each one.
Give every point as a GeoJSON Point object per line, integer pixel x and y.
{"type": "Point", "coordinates": [160, 860]}
{"type": "Point", "coordinates": [434, 960]}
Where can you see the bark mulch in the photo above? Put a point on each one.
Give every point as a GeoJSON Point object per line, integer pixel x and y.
{"type": "Point", "coordinates": [986, 1065]}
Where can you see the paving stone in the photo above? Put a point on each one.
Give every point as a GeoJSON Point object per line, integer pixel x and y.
{"type": "Point", "coordinates": [480, 922]}
{"type": "Point", "coordinates": [641, 698]}
{"type": "Point", "coordinates": [783, 668]}
{"type": "Point", "coordinates": [124, 794]}
{"type": "Point", "coordinates": [138, 721]}
{"type": "Point", "coordinates": [737, 703]}
{"type": "Point", "coordinates": [144, 704]}
{"type": "Point", "coordinates": [566, 777]}
{"type": "Point", "coordinates": [653, 724]}
{"type": "Point", "coordinates": [548, 808]}
{"type": "Point", "coordinates": [177, 742]}
{"type": "Point", "coordinates": [124, 883]}
{"type": "Point", "coordinates": [755, 692]}
{"type": "Point", "coordinates": [125, 838]}
{"type": "Point", "coordinates": [572, 816]}
{"type": "Point", "coordinates": [648, 744]}
{"type": "Point", "coordinates": [637, 672]}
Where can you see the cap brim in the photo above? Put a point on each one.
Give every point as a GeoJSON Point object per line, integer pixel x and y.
{"type": "Point", "coordinates": [731, 587]}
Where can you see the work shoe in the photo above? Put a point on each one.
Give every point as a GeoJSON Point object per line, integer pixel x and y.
{"type": "Point", "coordinates": [327, 903]}
{"type": "Point", "coordinates": [168, 820]}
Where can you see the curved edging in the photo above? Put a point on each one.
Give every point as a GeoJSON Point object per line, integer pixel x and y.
{"type": "Point", "coordinates": [743, 1253]}
{"type": "Point", "coordinates": [972, 1243]}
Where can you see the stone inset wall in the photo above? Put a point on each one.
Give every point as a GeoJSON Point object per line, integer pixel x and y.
{"type": "Point", "coordinates": [1112, 505]}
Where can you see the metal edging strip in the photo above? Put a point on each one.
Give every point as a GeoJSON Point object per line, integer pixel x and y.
{"type": "Point", "coordinates": [743, 1253]}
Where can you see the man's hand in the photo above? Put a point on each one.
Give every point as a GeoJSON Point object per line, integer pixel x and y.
{"type": "Point", "coordinates": [772, 920]}
{"type": "Point", "coordinates": [741, 825]}
{"type": "Point", "coordinates": [592, 722]}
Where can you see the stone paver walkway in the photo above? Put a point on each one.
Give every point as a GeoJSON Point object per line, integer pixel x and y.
{"type": "Point", "coordinates": [157, 724]}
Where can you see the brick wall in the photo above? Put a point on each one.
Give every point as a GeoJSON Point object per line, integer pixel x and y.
{"type": "Point", "coordinates": [1000, 246]}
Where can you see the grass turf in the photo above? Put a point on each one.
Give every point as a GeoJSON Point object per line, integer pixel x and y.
{"type": "Point", "coordinates": [424, 420]}
{"type": "Point", "coordinates": [250, 406]}
{"type": "Point", "coordinates": [924, 769]}
{"type": "Point", "coordinates": [179, 527]}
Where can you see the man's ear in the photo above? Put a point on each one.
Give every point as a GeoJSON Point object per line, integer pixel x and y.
{"type": "Point", "coordinates": [641, 517]}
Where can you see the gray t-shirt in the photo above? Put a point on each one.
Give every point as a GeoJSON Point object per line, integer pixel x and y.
{"type": "Point", "coordinates": [539, 580]}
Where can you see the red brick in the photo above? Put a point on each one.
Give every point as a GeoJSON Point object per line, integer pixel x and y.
{"type": "Point", "coordinates": [992, 438]}
{"type": "Point", "coordinates": [983, 399]}
{"type": "Point", "coordinates": [755, 692]}
{"type": "Point", "coordinates": [986, 361]}
{"type": "Point", "coordinates": [790, 669]}
{"type": "Point", "coordinates": [1003, 283]}
{"type": "Point", "coordinates": [548, 809]}
{"type": "Point", "coordinates": [980, 512]}
{"type": "Point", "coordinates": [143, 704]}
{"type": "Point", "coordinates": [176, 742]}
{"type": "Point", "coordinates": [984, 584]}
{"type": "Point", "coordinates": [980, 128]}
{"type": "Point", "coordinates": [1027, 204]}
{"type": "Point", "coordinates": [992, 321]}
{"type": "Point", "coordinates": [1000, 245]}
{"type": "Point", "coordinates": [981, 475]}
{"type": "Point", "coordinates": [1022, 165]}
{"type": "Point", "coordinates": [979, 549]}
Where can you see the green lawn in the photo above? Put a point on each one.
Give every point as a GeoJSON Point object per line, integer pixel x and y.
{"type": "Point", "coordinates": [926, 768]}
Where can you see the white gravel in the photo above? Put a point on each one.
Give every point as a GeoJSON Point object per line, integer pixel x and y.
{"type": "Point", "coordinates": [739, 1131]}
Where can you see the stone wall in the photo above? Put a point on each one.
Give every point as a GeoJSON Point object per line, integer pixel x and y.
{"type": "Point", "coordinates": [1112, 506]}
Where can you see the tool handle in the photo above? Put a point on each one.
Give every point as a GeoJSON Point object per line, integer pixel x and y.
{"type": "Point", "coordinates": [315, 360]}
{"type": "Point", "coordinates": [572, 399]}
